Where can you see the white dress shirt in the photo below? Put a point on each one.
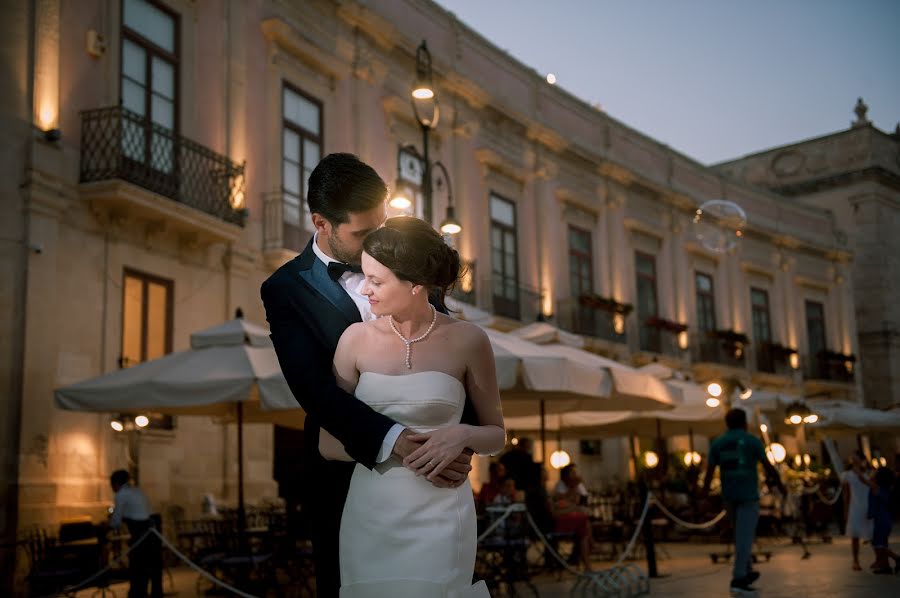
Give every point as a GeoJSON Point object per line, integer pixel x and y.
{"type": "Point", "coordinates": [352, 284]}
{"type": "Point", "coordinates": [130, 503]}
{"type": "Point", "coordinates": [561, 488]}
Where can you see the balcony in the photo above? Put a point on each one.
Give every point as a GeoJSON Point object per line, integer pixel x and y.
{"type": "Point", "coordinates": [465, 290]}
{"type": "Point", "coordinates": [282, 240]}
{"type": "Point", "coordinates": [773, 359]}
{"type": "Point", "coordinates": [119, 146]}
{"type": "Point", "coordinates": [717, 353]}
{"type": "Point", "coordinates": [574, 316]}
{"type": "Point", "coordinates": [659, 337]}
{"type": "Point", "coordinates": [830, 373]}
{"type": "Point", "coordinates": [831, 367]}
{"type": "Point", "coordinates": [512, 300]}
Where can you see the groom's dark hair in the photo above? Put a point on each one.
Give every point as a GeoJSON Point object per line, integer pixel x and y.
{"type": "Point", "coordinates": [342, 183]}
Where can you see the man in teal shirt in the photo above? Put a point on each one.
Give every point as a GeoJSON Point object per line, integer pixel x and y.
{"type": "Point", "coordinates": [736, 453]}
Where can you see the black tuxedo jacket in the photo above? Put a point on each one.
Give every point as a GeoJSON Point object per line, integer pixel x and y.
{"type": "Point", "coordinates": [307, 314]}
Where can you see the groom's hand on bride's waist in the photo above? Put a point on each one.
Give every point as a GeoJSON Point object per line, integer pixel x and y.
{"type": "Point", "coordinates": [451, 476]}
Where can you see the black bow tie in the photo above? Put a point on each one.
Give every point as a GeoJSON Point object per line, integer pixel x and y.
{"type": "Point", "coordinates": [337, 269]}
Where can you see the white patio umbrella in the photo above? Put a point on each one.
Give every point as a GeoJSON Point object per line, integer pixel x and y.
{"type": "Point", "coordinates": [836, 417]}
{"type": "Point", "coordinates": [567, 379]}
{"type": "Point", "coordinates": [690, 416]}
{"type": "Point", "coordinates": [543, 333]}
{"type": "Point", "coordinates": [230, 371]}
{"type": "Point", "coordinates": [563, 379]}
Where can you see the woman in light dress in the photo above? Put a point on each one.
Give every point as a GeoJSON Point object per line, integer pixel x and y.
{"type": "Point", "coordinates": [400, 535]}
{"type": "Point", "coordinates": [856, 505]}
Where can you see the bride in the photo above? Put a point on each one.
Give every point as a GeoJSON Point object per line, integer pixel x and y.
{"type": "Point", "coordinates": [400, 535]}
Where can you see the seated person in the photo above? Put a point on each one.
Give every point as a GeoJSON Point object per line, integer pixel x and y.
{"type": "Point", "coordinates": [492, 488]}
{"type": "Point", "coordinates": [509, 493]}
{"type": "Point", "coordinates": [570, 514]}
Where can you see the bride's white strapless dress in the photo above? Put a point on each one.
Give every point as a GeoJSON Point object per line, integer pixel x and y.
{"type": "Point", "coordinates": [401, 536]}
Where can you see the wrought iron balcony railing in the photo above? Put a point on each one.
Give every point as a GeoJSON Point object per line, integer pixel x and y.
{"type": "Point", "coordinates": [709, 348]}
{"type": "Point", "coordinates": [770, 361]}
{"type": "Point", "coordinates": [657, 340]}
{"type": "Point", "coordinates": [465, 289]}
{"type": "Point", "coordinates": [279, 234]}
{"type": "Point", "coordinates": [117, 143]}
{"type": "Point", "coordinates": [576, 317]}
{"type": "Point", "coordinates": [823, 367]}
{"type": "Point", "coordinates": [511, 300]}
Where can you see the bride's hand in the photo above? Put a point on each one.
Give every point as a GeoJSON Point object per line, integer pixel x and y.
{"type": "Point", "coordinates": [439, 449]}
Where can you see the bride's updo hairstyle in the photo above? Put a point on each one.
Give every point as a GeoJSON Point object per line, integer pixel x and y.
{"type": "Point", "coordinates": [416, 253]}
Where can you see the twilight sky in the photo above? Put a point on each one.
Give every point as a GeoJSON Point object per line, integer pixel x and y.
{"type": "Point", "coordinates": [715, 79]}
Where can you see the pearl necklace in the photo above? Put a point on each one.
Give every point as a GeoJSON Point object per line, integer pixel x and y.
{"type": "Point", "coordinates": [409, 341]}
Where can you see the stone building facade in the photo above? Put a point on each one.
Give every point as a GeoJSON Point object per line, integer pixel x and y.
{"type": "Point", "coordinates": [155, 159]}
{"type": "Point", "coordinates": [855, 175]}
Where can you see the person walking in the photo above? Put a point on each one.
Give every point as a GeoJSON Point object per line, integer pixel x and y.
{"type": "Point", "coordinates": [856, 504]}
{"type": "Point", "coordinates": [737, 453]}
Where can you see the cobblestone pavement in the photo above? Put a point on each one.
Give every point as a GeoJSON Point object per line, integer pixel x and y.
{"type": "Point", "coordinates": [686, 570]}
{"type": "Point", "coordinates": [827, 573]}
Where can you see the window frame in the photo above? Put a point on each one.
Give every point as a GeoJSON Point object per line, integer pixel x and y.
{"type": "Point", "coordinates": [289, 230]}
{"type": "Point", "coordinates": [821, 305]}
{"type": "Point", "coordinates": [648, 337]}
{"type": "Point", "coordinates": [503, 305]}
{"type": "Point", "coordinates": [764, 358]}
{"type": "Point", "coordinates": [581, 257]}
{"type": "Point", "coordinates": [151, 49]}
{"type": "Point", "coordinates": [711, 296]}
{"type": "Point", "coordinates": [170, 311]}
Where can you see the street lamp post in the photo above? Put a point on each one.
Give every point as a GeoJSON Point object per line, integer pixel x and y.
{"type": "Point", "coordinates": [427, 112]}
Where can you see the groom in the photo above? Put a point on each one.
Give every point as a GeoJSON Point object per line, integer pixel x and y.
{"type": "Point", "coordinates": [309, 303]}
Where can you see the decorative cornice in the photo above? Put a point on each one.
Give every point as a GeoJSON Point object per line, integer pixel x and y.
{"type": "Point", "coordinates": [616, 172]}
{"type": "Point", "coordinates": [381, 31]}
{"type": "Point", "coordinates": [636, 225]}
{"type": "Point", "coordinates": [872, 174]}
{"type": "Point", "coordinates": [286, 37]}
{"type": "Point", "coordinates": [757, 268]}
{"type": "Point", "coordinates": [474, 95]}
{"type": "Point", "coordinates": [547, 137]}
{"type": "Point", "coordinates": [491, 160]}
{"type": "Point", "coordinates": [810, 282]}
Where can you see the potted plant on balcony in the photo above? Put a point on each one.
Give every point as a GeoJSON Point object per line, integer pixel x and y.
{"type": "Point", "coordinates": [666, 325]}
{"type": "Point", "coordinates": [732, 341]}
{"type": "Point", "coordinates": [595, 301]}
{"type": "Point", "coordinates": [779, 352]}
{"type": "Point", "coordinates": [837, 365]}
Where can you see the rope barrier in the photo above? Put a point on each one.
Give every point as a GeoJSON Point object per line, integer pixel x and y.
{"type": "Point", "coordinates": [108, 567]}
{"type": "Point", "coordinates": [608, 581]}
{"type": "Point", "coordinates": [165, 541]}
{"type": "Point", "coordinates": [199, 569]}
{"type": "Point", "coordinates": [830, 501]}
{"type": "Point", "coordinates": [637, 531]}
{"type": "Point", "coordinates": [513, 508]}
{"type": "Point", "coordinates": [687, 524]}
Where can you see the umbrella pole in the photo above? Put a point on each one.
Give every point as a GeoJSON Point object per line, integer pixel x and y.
{"type": "Point", "coordinates": [543, 436]}
{"type": "Point", "coordinates": [241, 513]}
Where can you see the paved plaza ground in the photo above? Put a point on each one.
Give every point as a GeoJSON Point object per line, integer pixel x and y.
{"type": "Point", "coordinates": [688, 571]}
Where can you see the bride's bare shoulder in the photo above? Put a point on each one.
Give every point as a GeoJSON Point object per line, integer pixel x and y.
{"type": "Point", "coordinates": [360, 330]}
{"type": "Point", "coordinates": [467, 332]}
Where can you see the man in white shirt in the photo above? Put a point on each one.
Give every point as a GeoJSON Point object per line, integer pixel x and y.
{"type": "Point", "coordinates": [145, 559]}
